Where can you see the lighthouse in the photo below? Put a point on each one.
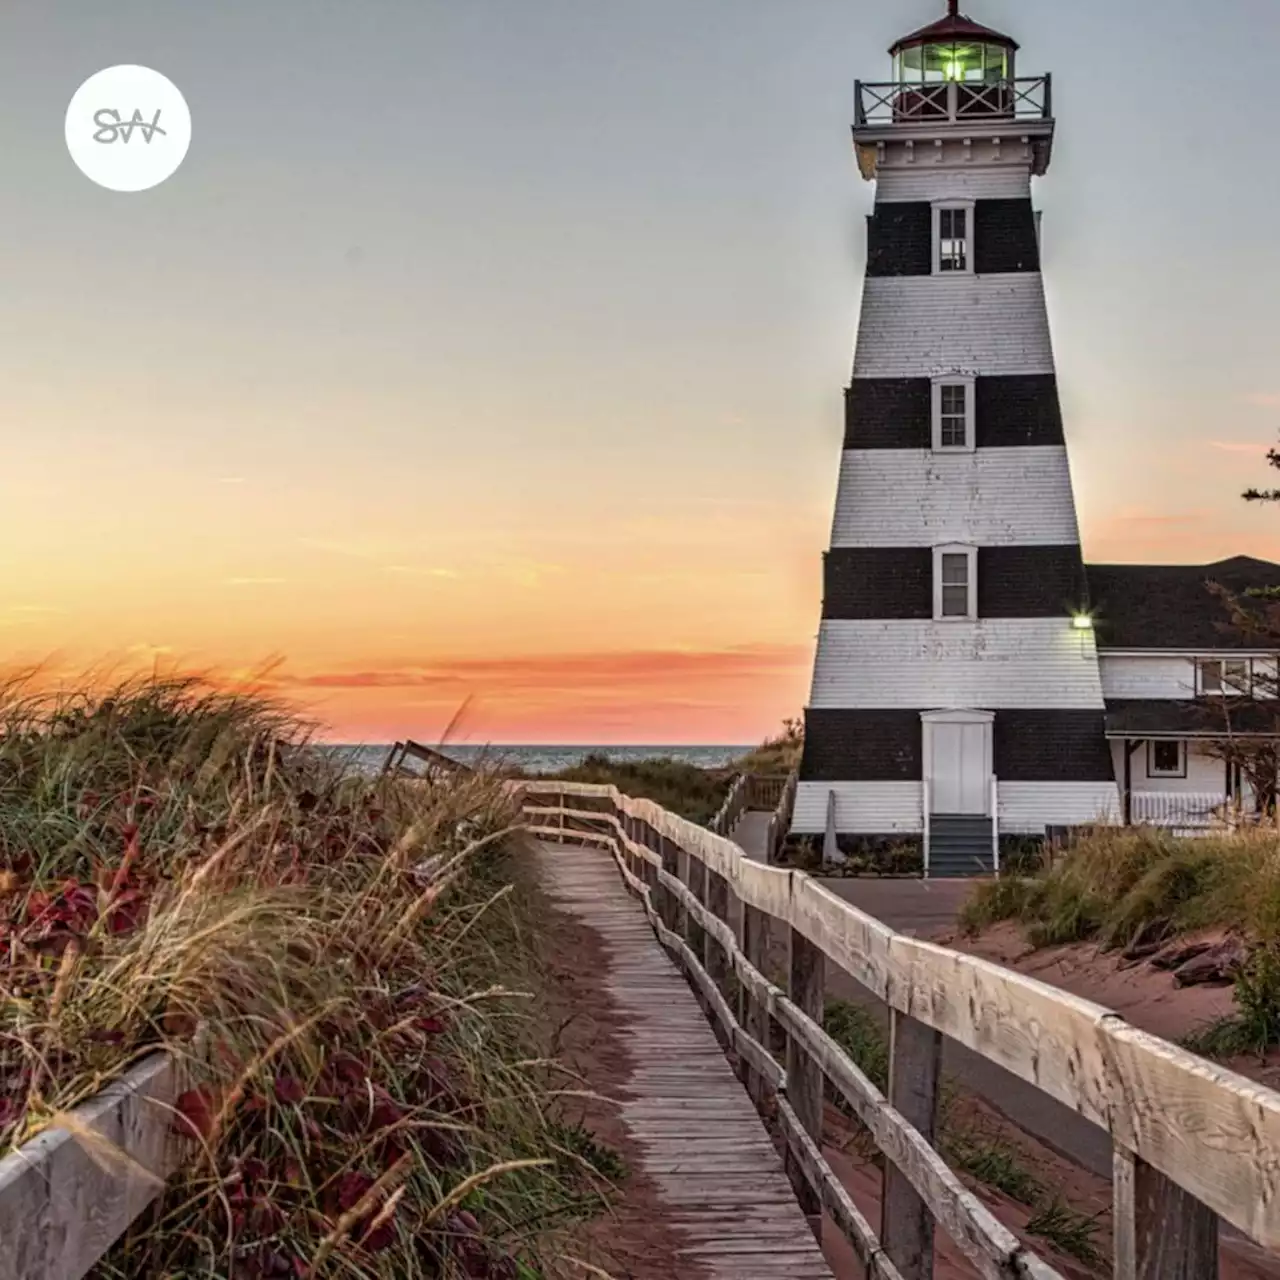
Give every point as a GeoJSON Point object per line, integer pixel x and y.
{"type": "Point", "coordinates": [956, 704]}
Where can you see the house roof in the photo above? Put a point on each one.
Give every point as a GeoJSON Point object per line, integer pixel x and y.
{"type": "Point", "coordinates": [1171, 606]}
{"type": "Point", "coordinates": [955, 26]}
{"type": "Point", "coordinates": [1190, 718]}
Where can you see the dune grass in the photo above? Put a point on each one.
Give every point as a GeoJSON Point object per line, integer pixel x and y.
{"type": "Point", "coordinates": [1118, 881]}
{"type": "Point", "coordinates": [685, 789]}
{"type": "Point", "coordinates": [335, 961]}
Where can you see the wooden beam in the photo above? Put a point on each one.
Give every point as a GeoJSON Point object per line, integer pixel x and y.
{"type": "Point", "coordinates": [806, 988]}
{"type": "Point", "coordinates": [714, 956]}
{"type": "Point", "coordinates": [61, 1206]}
{"type": "Point", "coordinates": [1161, 1231]}
{"type": "Point", "coordinates": [915, 1075]}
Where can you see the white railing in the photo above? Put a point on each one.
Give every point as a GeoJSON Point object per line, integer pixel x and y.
{"type": "Point", "coordinates": [1029, 98]}
{"type": "Point", "coordinates": [1181, 810]}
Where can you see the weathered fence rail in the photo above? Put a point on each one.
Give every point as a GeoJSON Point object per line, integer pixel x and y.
{"type": "Point", "coordinates": [1194, 1142]}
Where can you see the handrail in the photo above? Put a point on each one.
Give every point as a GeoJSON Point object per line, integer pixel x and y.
{"type": "Point", "coordinates": [1194, 1142]}
{"type": "Point", "coordinates": [995, 824]}
{"type": "Point", "coordinates": [926, 802]}
{"type": "Point", "coordinates": [733, 807]}
{"type": "Point", "coordinates": [940, 102]}
{"type": "Point", "coordinates": [780, 822]}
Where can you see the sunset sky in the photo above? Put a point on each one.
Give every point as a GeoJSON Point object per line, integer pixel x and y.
{"type": "Point", "coordinates": [495, 348]}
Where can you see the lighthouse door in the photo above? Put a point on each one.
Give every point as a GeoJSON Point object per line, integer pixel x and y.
{"type": "Point", "coordinates": [957, 761]}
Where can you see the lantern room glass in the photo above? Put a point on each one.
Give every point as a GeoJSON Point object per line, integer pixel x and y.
{"type": "Point", "coordinates": [966, 61]}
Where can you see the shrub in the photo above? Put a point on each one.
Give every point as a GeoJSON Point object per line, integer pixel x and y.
{"type": "Point", "coordinates": [329, 957]}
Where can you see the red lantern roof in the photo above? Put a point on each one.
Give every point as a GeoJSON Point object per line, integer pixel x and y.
{"type": "Point", "coordinates": [955, 26]}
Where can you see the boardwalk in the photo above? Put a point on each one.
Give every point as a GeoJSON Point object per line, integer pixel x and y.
{"type": "Point", "coordinates": [752, 834]}
{"type": "Point", "coordinates": [728, 1200]}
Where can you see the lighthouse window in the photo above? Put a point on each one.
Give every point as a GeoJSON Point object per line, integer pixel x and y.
{"type": "Point", "coordinates": [953, 405]}
{"type": "Point", "coordinates": [954, 586]}
{"type": "Point", "coordinates": [953, 248]}
{"type": "Point", "coordinates": [952, 233]}
{"type": "Point", "coordinates": [953, 432]}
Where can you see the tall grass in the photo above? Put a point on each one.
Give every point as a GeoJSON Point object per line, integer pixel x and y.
{"type": "Point", "coordinates": [1117, 882]}
{"type": "Point", "coordinates": [332, 959]}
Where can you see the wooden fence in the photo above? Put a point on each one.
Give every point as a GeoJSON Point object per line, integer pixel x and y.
{"type": "Point", "coordinates": [1193, 1142]}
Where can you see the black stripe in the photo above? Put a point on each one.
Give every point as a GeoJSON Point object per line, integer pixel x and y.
{"type": "Point", "coordinates": [900, 239]}
{"type": "Point", "coordinates": [887, 746]}
{"type": "Point", "coordinates": [896, 413]}
{"type": "Point", "coordinates": [863, 746]}
{"type": "Point", "coordinates": [896, 583]}
{"type": "Point", "coordinates": [1052, 746]}
{"type": "Point", "coordinates": [1004, 237]}
{"type": "Point", "coordinates": [888, 413]}
{"type": "Point", "coordinates": [878, 582]}
{"type": "Point", "coordinates": [1031, 582]}
{"type": "Point", "coordinates": [1017, 409]}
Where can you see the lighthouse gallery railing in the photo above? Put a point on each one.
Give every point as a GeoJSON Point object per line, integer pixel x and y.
{"type": "Point", "coordinates": [943, 102]}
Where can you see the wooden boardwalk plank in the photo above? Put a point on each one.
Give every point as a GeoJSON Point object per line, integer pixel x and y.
{"type": "Point", "coordinates": [721, 1180]}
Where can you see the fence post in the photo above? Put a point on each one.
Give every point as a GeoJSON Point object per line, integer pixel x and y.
{"type": "Point", "coordinates": [805, 1087]}
{"type": "Point", "coordinates": [695, 877]}
{"type": "Point", "coordinates": [1161, 1231]}
{"type": "Point", "coordinates": [715, 960]}
{"type": "Point", "coordinates": [915, 1073]}
{"type": "Point", "coordinates": [754, 1017]}
{"type": "Point", "coordinates": [673, 913]}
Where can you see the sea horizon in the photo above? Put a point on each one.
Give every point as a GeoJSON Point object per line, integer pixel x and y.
{"type": "Point", "coordinates": [553, 757]}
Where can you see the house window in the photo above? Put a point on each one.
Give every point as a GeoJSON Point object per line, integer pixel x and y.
{"type": "Point", "coordinates": [953, 414]}
{"type": "Point", "coordinates": [1166, 759]}
{"type": "Point", "coordinates": [953, 225]}
{"type": "Point", "coordinates": [955, 588]}
{"type": "Point", "coordinates": [1227, 677]}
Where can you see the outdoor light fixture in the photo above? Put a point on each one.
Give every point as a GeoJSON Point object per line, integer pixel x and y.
{"type": "Point", "coordinates": [1081, 622]}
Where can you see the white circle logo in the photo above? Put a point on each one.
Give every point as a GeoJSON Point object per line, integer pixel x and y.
{"type": "Point", "coordinates": [128, 128]}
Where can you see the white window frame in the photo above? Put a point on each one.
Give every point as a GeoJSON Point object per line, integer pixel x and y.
{"type": "Point", "coordinates": [971, 554]}
{"type": "Point", "coordinates": [969, 383]}
{"type": "Point", "coordinates": [1224, 690]}
{"type": "Point", "coordinates": [1179, 771]}
{"type": "Point", "coordinates": [968, 207]}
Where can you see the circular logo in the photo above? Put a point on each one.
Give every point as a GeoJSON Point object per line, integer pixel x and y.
{"type": "Point", "coordinates": [128, 128]}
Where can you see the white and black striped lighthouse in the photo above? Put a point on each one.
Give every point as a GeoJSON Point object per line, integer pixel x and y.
{"type": "Point", "coordinates": [956, 699]}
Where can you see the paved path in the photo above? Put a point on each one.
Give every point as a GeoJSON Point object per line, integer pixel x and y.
{"type": "Point", "coordinates": [705, 1148]}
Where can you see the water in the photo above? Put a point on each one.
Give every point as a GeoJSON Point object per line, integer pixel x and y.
{"type": "Point", "coordinates": [550, 759]}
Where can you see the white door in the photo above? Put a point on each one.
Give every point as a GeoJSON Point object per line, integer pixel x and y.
{"type": "Point", "coordinates": [960, 775]}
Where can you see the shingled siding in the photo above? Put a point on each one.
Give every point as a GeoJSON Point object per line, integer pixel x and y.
{"type": "Point", "coordinates": [930, 183]}
{"type": "Point", "coordinates": [1004, 237]}
{"type": "Point", "coordinates": [888, 413]}
{"type": "Point", "coordinates": [1031, 582]}
{"type": "Point", "coordinates": [900, 240]}
{"type": "Point", "coordinates": [896, 583]}
{"type": "Point", "coordinates": [1048, 746]}
{"type": "Point", "coordinates": [990, 497]}
{"type": "Point", "coordinates": [1002, 662]}
{"type": "Point", "coordinates": [1021, 409]}
{"type": "Point", "coordinates": [918, 326]}
{"type": "Point", "coordinates": [874, 746]}
{"type": "Point", "coordinates": [862, 808]}
{"type": "Point", "coordinates": [878, 582]}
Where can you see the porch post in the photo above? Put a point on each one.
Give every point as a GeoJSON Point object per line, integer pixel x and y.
{"type": "Point", "coordinates": [1128, 782]}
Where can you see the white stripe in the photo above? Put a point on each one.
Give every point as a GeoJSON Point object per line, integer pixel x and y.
{"type": "Point", "coordinates": [1153, 677]}
{"type": "Point", "coordinates": [1009, 182]}
{"type": "Point", "coordinates": [991, 497]}
{"type": "Point", "coordinates": [894, 808]}
{"type": "Point", "coordinates": [993, 664]}
{"type": "Point", "coordinates": [1028, 807]}
{"type": "Point", "coordinates": [920, 326]}
{"type": "Point", "coordinates": [862, 808]}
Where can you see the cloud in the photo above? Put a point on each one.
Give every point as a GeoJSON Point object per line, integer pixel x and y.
{"type": "Point", "coordinates": [417, 571]}
{"type": "Point", "coordinates": [1238, 446]}
{"type": "Point", "coordinates": [571, 672]}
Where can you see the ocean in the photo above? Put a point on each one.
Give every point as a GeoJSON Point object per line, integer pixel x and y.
{"type": "Point", "coordinates": [368, 758]}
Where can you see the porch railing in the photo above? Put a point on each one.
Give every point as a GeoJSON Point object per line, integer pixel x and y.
{"type": "Point", "coordinates": [1027, 98]}
{"type": "Point", "coordinates": [1179, 809]}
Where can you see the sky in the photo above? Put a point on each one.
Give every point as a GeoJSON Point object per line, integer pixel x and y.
{"type": "Point", "coordinates": [490, 354]}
